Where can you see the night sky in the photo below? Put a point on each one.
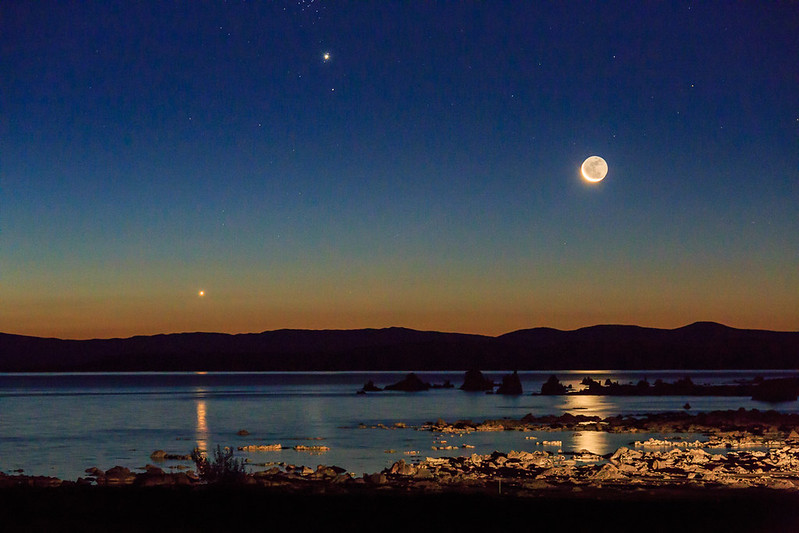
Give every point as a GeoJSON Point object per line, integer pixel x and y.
{"type": "Point", "coordinates": [425, 173]}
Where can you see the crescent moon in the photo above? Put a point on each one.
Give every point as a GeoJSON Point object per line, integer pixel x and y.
{"type": "Point", "coordinates": [594, 169]}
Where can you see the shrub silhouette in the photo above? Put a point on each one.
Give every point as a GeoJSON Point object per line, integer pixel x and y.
{"type": "Point", "coordinates": [223, 469]}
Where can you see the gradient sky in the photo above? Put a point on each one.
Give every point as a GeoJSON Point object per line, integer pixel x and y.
{"type": "Point", "coordinates": [426, 175]}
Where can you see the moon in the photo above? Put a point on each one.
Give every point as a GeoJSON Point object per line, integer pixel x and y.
{"type": "Point", "coordinates": [594, 169]}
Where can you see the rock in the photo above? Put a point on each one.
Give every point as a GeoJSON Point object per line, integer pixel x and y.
{"type": "Point", "coordinates": [619, 454]}
{"type": "Point", "coordinates": [521, 456]}
{"type": "Point", "coordinates": [423, 473]}
{"type": "Point", "coordinates": [370, 386]}
{"type": "Point", "coordinates": [261, 448]}
{"type": "Point", "coordinates": [475, 381]}
{"type": "Point", "coordinates": [376, 479]}
{"type": "Point", "coordinates": [553, 387]}
{"type": "Point", "coordinates": [411, 383]}
{"type": "Point", "coordinates": [182, 478]}
{"type": "Point", "coordinates": [627, 469]}
{"type": "Point", "coordinates": [511, 384]}
{"type": "Point", "coordinates": [118, 475]}
{"type": "Point", "coordinates": [311, 449]}
{"type": "Point", "coordinates": [324, 472]}
{"type": "Point", "coordinates": [153, 480]}
{"type": "Point", "coordinates": [161, 455]}
{"type": "Point", "coordinates": [402, 468]}
{"type": "Point", "coordinates": [608, 472]}
{"type": "Point", "coordinates": [152, 469]}
{"type": "Point", "coordinates": [536, 484]}
{"type": "Point", "coordinates": [94, 472]}
{"type": "Point", "coordinates": [45, 481]}
{"type": "Point", "coordinates": [780, 484]}
{"type": "Point", "coordinates": [242, 433]}
{"type": "Point", "coordinates": [777, 390]}
{"type": "Point", "coordinates": [698, 456]}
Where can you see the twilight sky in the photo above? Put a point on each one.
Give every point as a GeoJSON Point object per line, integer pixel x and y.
{"type": "Point", "coordinates": [424, 174]}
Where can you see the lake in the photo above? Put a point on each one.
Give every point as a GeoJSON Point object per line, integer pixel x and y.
{"type": "Point", "coordinates": [61, 424]}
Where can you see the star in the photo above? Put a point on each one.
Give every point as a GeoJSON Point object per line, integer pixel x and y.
{"type": "Point", "coordinates": [326, 57]}
{"type": "Point", "coordinates": [201, 293]}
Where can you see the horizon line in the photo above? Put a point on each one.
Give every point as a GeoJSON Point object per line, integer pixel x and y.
{"type": "Point", "coordinates": [199, 332]}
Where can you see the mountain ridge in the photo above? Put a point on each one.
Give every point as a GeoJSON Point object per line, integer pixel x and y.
{"type": "Point", "coordinates": [700, 345]}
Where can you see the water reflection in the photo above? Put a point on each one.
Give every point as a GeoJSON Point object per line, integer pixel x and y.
{"type": "Point", "coordinates": [593, 441]}
{"type": "Point", "coordinates": [577, 404]}
{"type": "Point", "coordinates": [201, 429]}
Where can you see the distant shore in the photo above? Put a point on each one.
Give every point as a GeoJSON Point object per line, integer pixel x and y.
{"type": "Point", "coordinates": [785, 389]}
{"type": "Point", "coordinates": [702, 345]}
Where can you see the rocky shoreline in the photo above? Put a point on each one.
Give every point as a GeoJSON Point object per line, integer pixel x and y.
{"type": "Point", "coordinates": [768, 390]}
{"type": "Point", "coordinates": [750, 483]}
{"type": "Point", "coordinates": [756, 449]}
{"type": "Point", "coordinates": [752, 421]}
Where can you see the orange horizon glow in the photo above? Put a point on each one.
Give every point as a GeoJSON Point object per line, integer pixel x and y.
{"type": "Point", "coordinates": [490, 307]}
{"type": "Point", "coordinates": [465, 325]}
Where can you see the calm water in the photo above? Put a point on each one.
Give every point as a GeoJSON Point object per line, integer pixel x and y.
{"type": "Point", "coordinates": [61, 424]}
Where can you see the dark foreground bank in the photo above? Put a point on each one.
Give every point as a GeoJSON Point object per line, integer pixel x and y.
{"type": "Point", "coordinates": [236, 508]}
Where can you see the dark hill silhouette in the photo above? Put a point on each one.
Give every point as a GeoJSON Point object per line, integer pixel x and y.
{"type": "Point", "coordinates": [703, 345]}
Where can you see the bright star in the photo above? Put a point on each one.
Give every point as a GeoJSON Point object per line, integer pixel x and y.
{"type": "Point", "coordinates": [201, 294]}
{"type": "Point", "coordinates": [326, 57]}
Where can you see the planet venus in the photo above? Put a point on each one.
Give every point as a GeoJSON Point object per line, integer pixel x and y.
{"type": "Point", "coordinates": [594, 169]}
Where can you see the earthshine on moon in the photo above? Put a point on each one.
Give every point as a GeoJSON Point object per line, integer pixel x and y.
{"type": "Point", "coordinates": [594, 169]}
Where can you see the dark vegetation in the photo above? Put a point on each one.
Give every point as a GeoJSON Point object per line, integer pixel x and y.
{"type": "Point", "coordinates": [703, 345]}
{"type": "Point", "coordinates": [223, 468]}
